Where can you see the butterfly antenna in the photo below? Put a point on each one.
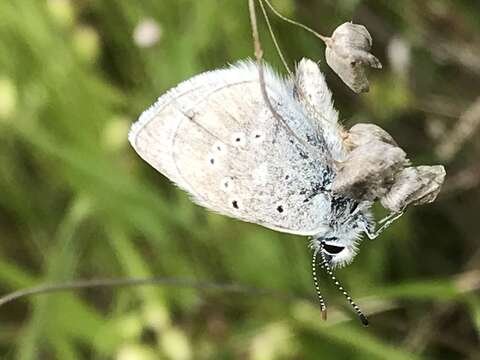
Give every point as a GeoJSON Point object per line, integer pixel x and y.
{"type": "Point", "coordinates": [323, 307]}
{"type": "Point", "coordinates": [329, 271]}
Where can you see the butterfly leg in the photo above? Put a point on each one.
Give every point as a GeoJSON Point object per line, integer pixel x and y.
{"type": "Point", "coordinates": [386, 221]}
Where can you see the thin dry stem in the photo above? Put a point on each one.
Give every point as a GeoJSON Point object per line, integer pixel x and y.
{"type": "Point", "coordinates": [164, 281]}
{"type": "Point", "coordinates": [293, 22]}
{"type": "Point", "coordinates": [464, 180]}
{"type": "Point", "coordinates": [464, 129]}
{"type": "Point", "coordinates": [261, 75]}
{"type": "Point", "coordinates": [466, 282]}
{"type": "Point", "coordinates": [274, 38]}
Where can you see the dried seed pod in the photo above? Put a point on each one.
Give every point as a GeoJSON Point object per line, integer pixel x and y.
{"type": "Point", "coordinates": [361, 134]}
{"type": "Point", "coordinates": [348, 53]}
{"type": "Point", "coordinates": [414, 186]}
{"type": "Point", "coordinates": [369, 171]}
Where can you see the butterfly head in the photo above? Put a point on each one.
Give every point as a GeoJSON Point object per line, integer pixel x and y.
{"type": "Point", "coordinates": [339, 243]}
{"type": "Point", "coordinates": [336, 251]}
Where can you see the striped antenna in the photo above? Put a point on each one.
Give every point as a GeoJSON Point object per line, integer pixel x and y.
{"type": "Point", "coordinates": [323, 307]}
{"type": "Point", "coordinates": [327, 267]}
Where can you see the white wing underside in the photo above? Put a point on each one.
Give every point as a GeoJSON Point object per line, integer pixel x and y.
{"type": "Point", "coordinates": [215, 138]}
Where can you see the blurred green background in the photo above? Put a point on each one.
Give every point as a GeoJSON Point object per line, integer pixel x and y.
{"type": "Point", "coordinates": [77, 202]}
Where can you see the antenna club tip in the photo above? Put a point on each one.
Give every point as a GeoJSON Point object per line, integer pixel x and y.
{"type": "Point", "coordinates": [364, 320]}
{"type": "Point", "coordinates": [324, 315]}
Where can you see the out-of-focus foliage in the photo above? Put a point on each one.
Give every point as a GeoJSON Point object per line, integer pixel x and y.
{"type": "Point", "coordinates": [77, 202]}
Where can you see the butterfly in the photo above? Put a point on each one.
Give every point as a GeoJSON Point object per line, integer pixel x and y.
{"type": "Point", "coordinates": [214, 137]}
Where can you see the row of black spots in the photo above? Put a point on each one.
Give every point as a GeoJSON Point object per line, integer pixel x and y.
{"type": "Point", "coordinates": [238, 139]}
{"type": "Point", "coordinates": [236, 205]}
{"type": "Point", "coordinates": [217, 150]}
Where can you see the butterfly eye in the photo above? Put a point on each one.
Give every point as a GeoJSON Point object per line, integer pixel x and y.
{"type": "Point", "coordinates": [333, 249]}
